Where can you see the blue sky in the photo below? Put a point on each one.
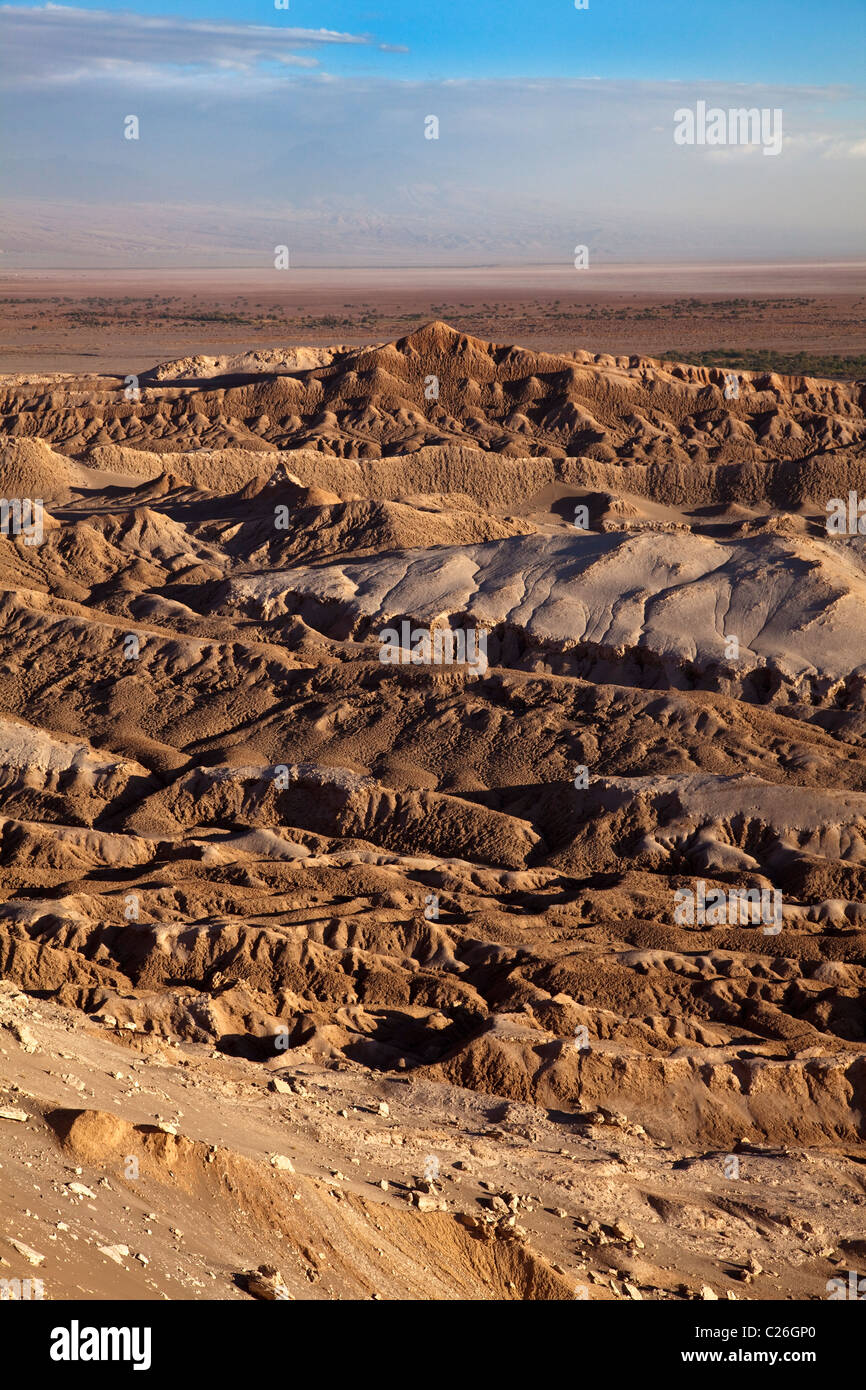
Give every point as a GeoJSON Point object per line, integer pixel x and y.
{"type": "Point", "coordinates": [306, 127]}
{"type": "Point", "coordinates": [769, 41]}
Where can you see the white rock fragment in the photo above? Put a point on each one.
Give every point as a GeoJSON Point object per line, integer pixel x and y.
{"type": "Point", "coordinates": [118, 1253]}
{"type": "Point", "coordinates": [27, 1252]}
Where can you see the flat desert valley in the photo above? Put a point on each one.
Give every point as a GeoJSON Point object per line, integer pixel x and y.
{"type": "Point", "coordinates": [432, 728]}
{"type": "Point", "coordinates": [125, 321]}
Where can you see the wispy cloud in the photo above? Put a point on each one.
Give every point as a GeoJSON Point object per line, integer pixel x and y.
{"type": "Point", "coordinates": [56, 44]}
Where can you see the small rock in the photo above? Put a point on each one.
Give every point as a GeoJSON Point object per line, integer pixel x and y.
{"type": "Point", "coordinates": [266, 1282]}
{"type": "Point", "coordinates": [495, 1204]}
{"type": "Point", "coordinates": [25, 1036]}
{"type": "Point", "coordinates": [118, 1253]}
{"type": "Point", "coordinates": [26, 1252]}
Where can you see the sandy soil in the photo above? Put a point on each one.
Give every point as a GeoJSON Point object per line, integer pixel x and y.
{"type": "Point", "coordinates": [124, 321]}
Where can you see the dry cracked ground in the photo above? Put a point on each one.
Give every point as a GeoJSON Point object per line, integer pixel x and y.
{"type": "Point", "coordinates": [335, 967]}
